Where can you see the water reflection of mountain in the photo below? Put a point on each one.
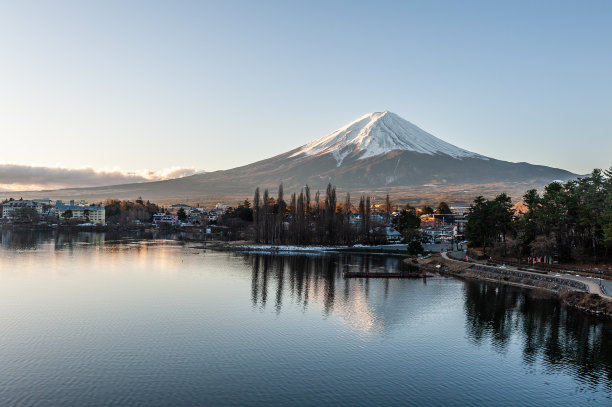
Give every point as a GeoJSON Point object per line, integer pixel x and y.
{"type": "Point", "coordinates": [563, 339]}
{"type": "Point", "coordinates": [365, 304]}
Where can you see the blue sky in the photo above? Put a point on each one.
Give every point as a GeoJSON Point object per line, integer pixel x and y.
{"type": "Point", "coordinates": [151, 86]}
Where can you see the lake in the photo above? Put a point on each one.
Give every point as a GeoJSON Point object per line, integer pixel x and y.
{"type": "Point", "coordinates": [90, 320]}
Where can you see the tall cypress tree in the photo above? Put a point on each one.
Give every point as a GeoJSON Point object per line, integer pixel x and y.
{"type": "Point", "coordinates": [257, 215]}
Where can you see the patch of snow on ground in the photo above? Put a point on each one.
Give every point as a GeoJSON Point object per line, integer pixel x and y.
{"type": "Point", "coordinates": [287, 248]}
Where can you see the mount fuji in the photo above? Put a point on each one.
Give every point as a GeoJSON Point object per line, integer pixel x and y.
{"type": "Point", "coordinates": [377, 151]}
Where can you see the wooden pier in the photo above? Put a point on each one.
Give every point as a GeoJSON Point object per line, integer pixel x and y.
{"type": "Point", "coordinates": [369, 274]}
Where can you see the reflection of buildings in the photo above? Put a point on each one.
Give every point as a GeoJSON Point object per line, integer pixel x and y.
{"type": "Point", "coordinates": [67, 240]}
{"type": "Point", "coordinates": [23, 240]}
{"type": "Point", "coordinates": [27, 239]}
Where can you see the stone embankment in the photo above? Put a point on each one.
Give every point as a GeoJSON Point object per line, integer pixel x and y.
{"type": "Point", "coordinates": [545, 281]}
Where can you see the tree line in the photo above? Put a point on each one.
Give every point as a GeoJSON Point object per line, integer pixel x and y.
{"type": "Point", "coordinates": [126, 211]}
{"type": "Point", "coordinates": [569, 221]}
{"type": "Point", "coordinates": [305, 218]}
{"type": "Point", "coordinates": [308, 219]}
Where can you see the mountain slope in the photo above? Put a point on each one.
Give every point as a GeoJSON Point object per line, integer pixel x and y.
{"type": "Point", "coordinates": [379, 133]}
{"type": "Point", "coordinates": [377, 151]}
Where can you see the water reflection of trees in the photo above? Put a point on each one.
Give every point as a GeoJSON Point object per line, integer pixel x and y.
{"type": "Point", "coordinates": [550, 335]}
{"type": "Point", "coordinates": [301, 277]}
{"type": "Point", "coordinates": [563, 339]}
{"type": "Point", "coordinates": [300, 274]}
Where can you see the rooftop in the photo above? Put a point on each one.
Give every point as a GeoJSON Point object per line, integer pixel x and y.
{"type": "Point", "coordinates": [62, 206]}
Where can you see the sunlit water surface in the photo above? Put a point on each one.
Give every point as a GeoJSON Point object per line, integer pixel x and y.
{"type": "Point", "coordinates": [89, 321]}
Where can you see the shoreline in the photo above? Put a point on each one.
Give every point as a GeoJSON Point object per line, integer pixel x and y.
{"type": "Point", "coordinates": [582, 295]}
{"type": "Point", "coordinates": [570, 292]}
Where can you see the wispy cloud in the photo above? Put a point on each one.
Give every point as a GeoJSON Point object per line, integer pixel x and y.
{"type": "Point", "coordinates": [19, 177]}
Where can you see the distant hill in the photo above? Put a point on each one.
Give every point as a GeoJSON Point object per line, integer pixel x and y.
{"type": "Point", "coordinates": [377, 152]}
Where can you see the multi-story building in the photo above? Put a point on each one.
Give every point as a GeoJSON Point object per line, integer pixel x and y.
{"type": "Point", "coordinates": [9, 208]}
{"type": "Point", "coordinates": [459, 229]}
{"type": "Point", "coordinates": [460, 210]}
{"type": "Point", "coordinates": [88, 213]}
{"type": "Point", "coordinates": [165, 218]}
{"type": "Point", "coordinates": [436, 234]}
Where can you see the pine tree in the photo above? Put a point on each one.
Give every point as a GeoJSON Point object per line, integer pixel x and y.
{"type": "Point", "coordinates": [282, 209]}
{"type": "Point", "coordinates": [346, 224]}
{"type": "Point", "coordinates": [307, 197]}
{"type": "Point", "coordinates": [265, 216]}
{"type": "Point", "coordinates": [330, 213]}
{"type": "Point", "coordinates": [303, 216]}
{"type": "Point", "coordinates": [368, 217]}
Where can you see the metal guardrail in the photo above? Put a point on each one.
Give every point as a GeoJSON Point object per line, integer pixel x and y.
{"type": "Point", "coordinates": [533, 276]}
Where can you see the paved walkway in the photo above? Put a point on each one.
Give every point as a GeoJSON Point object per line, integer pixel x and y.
{"type": "Point", "coordinates": [592, 284]}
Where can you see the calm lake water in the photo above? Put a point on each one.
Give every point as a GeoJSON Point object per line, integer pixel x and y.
{"type": "Point", "coordinates": [90, 321]}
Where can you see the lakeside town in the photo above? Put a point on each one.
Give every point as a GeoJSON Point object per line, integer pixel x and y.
{"type": "Point", "coordinates": [568, 223]}
{"type": "Point", "coordinates": [444, 224]}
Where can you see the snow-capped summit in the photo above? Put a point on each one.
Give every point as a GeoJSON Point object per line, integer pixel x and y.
{"type": "Point", "coordinates": [379, 133]}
